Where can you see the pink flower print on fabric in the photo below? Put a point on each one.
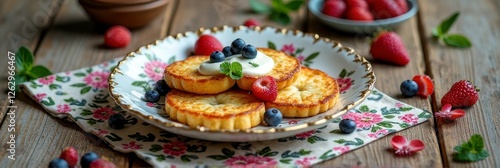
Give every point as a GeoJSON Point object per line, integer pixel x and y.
{"type": "Point", "coordinates": [63, 108]}
{"type": "Point", "coordinates": [363, 120]}
{"type": "Point", "coordinates": [47, 80]}
{"type": "Point", "coordinates": [132, 145]}
{"type": "Point", "coordinates": [154, 69]}
{"type": "Point", "coordinates": [250, 161]}
{"type": "Point", "coordinates": [98, 79]}
{"type": "Point", "coordinates": [175, 148]}
{"type": "Point", "coordinates": [409, 118]}
{"type": "Point", "coordinates": [103, 113]}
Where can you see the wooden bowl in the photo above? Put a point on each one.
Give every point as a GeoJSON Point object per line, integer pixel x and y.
{"type": "Point", "coordinates": [130, 15]}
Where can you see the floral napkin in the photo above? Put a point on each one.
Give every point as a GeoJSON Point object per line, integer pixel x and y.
{"type": "Point", "coordinates": [82, 96]}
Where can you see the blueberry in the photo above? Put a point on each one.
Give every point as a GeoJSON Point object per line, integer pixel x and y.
{"type": "Point", "coordinates": [152, 96]}
{"type": "Point", "coordinates": [161, 87]}
{"type": "Point", "coordinates": [273, 117]}
{"type": "Point", "coordinates": [87, 159]}
{"type": "Point", "coordinates": [58, 163]}
{"type": "Point", "coordinates": [237, 45]}
{"type": "Point", "coordinates": [249, 52]}
{"type": "Point", "coordinates": [217, 56]}
{"type": "Point", "coordinates": [347, 126]}
{"type": "Point", "coordinates": [227, 51]}
{"type": "Point", "coordinates": [409, 88]}
{"type": "Point", "coordinates": [117, 121]}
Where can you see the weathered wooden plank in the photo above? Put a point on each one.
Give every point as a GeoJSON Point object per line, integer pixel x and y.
{"type": "Point", "coordinates": [389, 77]}
{"type": "Point", "coordinates": [23, 22]}
{"type": "Point", "coordinates": [72, 42]}
{"type": "Point", "coordinates": [481, 23]}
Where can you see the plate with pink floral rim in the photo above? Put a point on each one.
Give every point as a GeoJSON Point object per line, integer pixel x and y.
{"type": "Point", "coordinates": [139, 70]}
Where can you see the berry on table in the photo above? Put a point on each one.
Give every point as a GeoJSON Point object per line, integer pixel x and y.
{"type": "Point", "coordinates": [58, 163]}
{"type": "Point", "coordinates": [237, 45]}
{"type": "Point", "coordinates": [70, 154]}
{"type": "Point", "coordinates": [273, 117]}
{"type": "Point", "coordinates": [101, 163]}
{"type": "Point", "coordinates": [334, 8]}
{"type": "Point", "coordinates": [217, 56]}
{"type": "Point", "coordinates": [207, 44]}
{"type": "Point", "coordinates": [87, 158]}
{"type": "Point", "coordinates": [462, 94]}
{"type": "Point", "coordinates": [117, 37]}
{"type": "Point", "coordinates": [265, 88]}
{"type": "Point", "coordinates": [249, 52]}
{"type": "Point", "coordinates": [425, 85]}
{"type": "Point", "coordinates": [152, 96]}
{"type": "Point", "coordinates": [347, 126]}
{"type": "Point", "coordinates": [251, 22]}
{"type": "Point", "coordinates": [389, 47]}
{"type": "Point", "coordinates": [161, 87]}
{"type": "Point", "coordinates": [227, 51]}
{"type": "Point", "coordinates": [409, 88]}
{"type": "Point", "coordinates": [117, 121]}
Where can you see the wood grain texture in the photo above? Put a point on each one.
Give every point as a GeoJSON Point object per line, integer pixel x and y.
{"type": "Point", "coordinates": [23, 23]}
{"type": "Point", "coordinates": [75, 42]}
{"type": "Point", "coordinates": [389, 77]}
{"type": "Point", "coordinates": [481, 23]}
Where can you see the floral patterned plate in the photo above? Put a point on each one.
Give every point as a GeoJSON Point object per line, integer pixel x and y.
{"type": "Point", "coordinates": [139, 70]}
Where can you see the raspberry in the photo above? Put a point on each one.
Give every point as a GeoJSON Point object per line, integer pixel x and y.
{"type": "Point", "coordinates": [207, 44]}
{"type": "Point", "coordinates": [70, 155]}
{"type": "Point", "coordinates": [117, 37]}
{"type": "Point", "coordinates": [265, 88]}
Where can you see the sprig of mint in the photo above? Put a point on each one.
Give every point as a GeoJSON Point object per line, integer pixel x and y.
{"type": "Point", "coordinates": [454, 40]}
{"type": "Point", "coordinates": [233, 70]}
{"type": "Point", "coordinates": [278, 10]}
{"type": "Point", "coordinates": [471, 151]}
{"type": "Point", "coordinates": [253, 64]}
{"type": "Point", "coordinates": [25, 70]}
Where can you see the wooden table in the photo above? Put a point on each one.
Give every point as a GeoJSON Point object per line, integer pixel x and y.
{"type": "Point", "coordinates": [63, 39]}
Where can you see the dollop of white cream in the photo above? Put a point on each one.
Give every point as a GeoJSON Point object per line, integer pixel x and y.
{"type": "Point", "coordinates": [264, 62]}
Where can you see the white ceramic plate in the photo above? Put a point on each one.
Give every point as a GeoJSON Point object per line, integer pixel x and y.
{"type": "Point", "coordinates": [139, 70]}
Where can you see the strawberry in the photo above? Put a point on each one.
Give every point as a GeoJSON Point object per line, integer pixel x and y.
{"type": "Point", "coordinates": [425, 85]}
{"type": "Point", "coordinates": [358, 13]}
{"type": "Point", "coordinates": [251, 22]}
{"type": "Point", "coordinates": [356, 3]}
{"type": "Point", "coordinates": [207, 44]}
{"type": "Point", "coordinates": [448, 114]}
{"type": "Point", "coordinates": [383, 9]}
{"type": "Point", "coordinates": [403, 148]}
{"type": "Point", "coordinates": [102, 163]}
{"type": "Point", "coordinates": [334, 8]}
{"type": "Point", "coordinates": [265, 88]}
{"type": "Point", "coordinates": [70, 155]}
{"type": "Point", "coordinates": [462, 94]}
{"type": "Point", "coordinates": [403, 5]}
{"type": "Point", "coordinates": [117, 37]}
{"type": "Point", "coordinates": [388, 46]}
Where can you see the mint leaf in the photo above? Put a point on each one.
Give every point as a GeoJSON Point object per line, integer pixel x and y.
{"type": "Point", "coordinates": [294, 5]}
{"type": "Point", "coordinates": [225, 68]}
{"type": "Point", "coordinates": [39, 71]}
{"type": "Point", "coordinates": [259, 7]}
{"type": "Point", "coordinates": [471, 151]}
{"type": "Point", "coordinates": [24, 59]}
{"type": "Point", "coordinates": [457, 40]}
{"type": "Point", "coordinates": [445, 26]}
{"type": "Point", "coordinates": [236, 71]}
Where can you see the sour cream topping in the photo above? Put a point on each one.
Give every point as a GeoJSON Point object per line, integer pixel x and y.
{"type": "Point", "coordinates": [264, 62]}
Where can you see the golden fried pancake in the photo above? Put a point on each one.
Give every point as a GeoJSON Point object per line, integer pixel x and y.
{"type": "Point", "coordinates": [285, 70]}
{"type": "Point", "coordinates": [229, 110]}
{"type": "Point", "coordinates": [184, 75]}
{"type": "Point", "coordinates": [314, 92]}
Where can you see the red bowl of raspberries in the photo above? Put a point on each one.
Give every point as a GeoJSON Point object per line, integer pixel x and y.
{"type": "Point", "coordinates": [363, 16]}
